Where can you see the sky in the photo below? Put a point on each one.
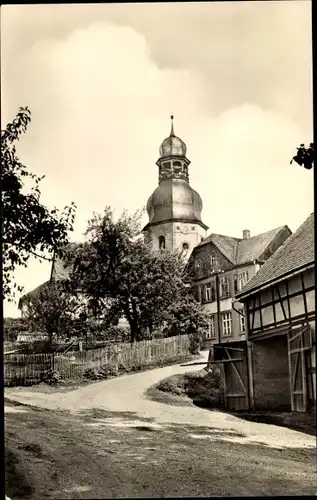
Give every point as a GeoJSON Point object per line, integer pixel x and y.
{"type": "Point", "coordinates": [101, 81]}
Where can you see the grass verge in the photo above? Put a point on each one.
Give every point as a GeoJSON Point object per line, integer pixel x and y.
{"type": "Point", "coordinates": [199, 388]}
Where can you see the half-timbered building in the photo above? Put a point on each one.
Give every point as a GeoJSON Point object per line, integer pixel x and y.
{"type": "Point", "coordinates": [276, 368]}
{"type": "Point", "coordinates": [220, 266]}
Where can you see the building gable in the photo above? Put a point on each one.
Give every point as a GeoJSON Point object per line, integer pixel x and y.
{"type": "Point", "coordinates": [296, 253]}
{"type": "Point", "coordinates": [205, 259]}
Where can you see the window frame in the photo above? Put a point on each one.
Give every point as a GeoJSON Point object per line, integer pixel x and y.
{"type": "Point", "coordinates": [224, 295]}
{"type": "Point", "coordinates": [211, 328]}
{"type": "Point", "coordinates": [242, 323]}
{"type": "Point", "coordinates": [226, 323]}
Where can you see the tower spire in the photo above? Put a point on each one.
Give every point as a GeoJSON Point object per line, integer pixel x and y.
{"type": "Point", "coordinates": [172, 127]}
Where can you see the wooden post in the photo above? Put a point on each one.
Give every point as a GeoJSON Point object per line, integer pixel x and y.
{"type": "Point", "coordinates": [250, 375]}
{"type": "Point", "coordinates": [304, 375]}
{"type": "Point", "coordinates": [290, 369]}
{"type": "Point", "coordinates": [218, 309]}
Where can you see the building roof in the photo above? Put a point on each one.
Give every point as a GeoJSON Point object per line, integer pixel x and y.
{"type": "Point", "coordinates": [242, 251]}
{"type": "Point", "coordinates": [58, 272]}
{"type": "Point", "coordinates": [296, 253]}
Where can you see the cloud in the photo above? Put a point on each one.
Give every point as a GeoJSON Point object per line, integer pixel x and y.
{"type": "Point", "coordinates": [100, 105]}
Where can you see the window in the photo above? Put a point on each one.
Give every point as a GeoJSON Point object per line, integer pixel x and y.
{"type": "Point", "coordinates": [162, 242]}
{"type": "Point", "coordinates": [193, 228]}
{"type": "Point", "coordinates": [177, 164]}
{"type": "Point", "coordinates": [242, 279]}
{"type": "Point", "coordinates": [235, 284]}
{"type": "Point", "coordinates": [210, 334]}
{"type": "Point", "coordinates": [213, 260]}
{"type": "Point", "coordinates": [226, 324]}
{"type": "Point", "coordinates": [242, 323]}
{"type": "Point", "coordinates": [197, 264]}
{"type": "Point", "coordinates": [208, 292]}
{"type": "Point", "coordinates": [185, 247]}
{"type": "Point", "coordinates": [224, 287]}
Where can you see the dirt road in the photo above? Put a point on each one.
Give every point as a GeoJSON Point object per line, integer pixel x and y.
{"type": "Point", "coordinates": [157, 449]}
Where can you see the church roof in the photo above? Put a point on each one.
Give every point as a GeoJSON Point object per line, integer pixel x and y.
{"type": "Point", "coordinates": [242, 251]}
{"type": "Point", "coordinates": [172, 145]}
{"type": "Point", "coordinates": [296, 253]}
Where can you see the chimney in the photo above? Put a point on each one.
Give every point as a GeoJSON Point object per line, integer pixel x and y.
{"type": "Point", "coordinates": [246, 234]}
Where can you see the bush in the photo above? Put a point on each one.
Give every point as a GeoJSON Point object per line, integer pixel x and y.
{"type": "Point", "coordinates": [195, 340]}
{"type": "Point", "coordinates": [173, 385]}
{"type": "Point", "coordinates": [100, 373]}
{"type": "Point", "coordinates": [205, 390]}
{"type": "Point", "coordinates": [51, 378]}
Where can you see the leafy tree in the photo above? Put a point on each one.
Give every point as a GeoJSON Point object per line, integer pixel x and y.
{"type": "Point", "coordinates": [305, 156]}
{"type": "Point", "coordinates": [53, 310]}
{"type": "Point", "coordinates": [12, 327]}
{"type": "Point", "coordinates": [28, 227]}
{"type": "Point", "coordinates": [116, 268]}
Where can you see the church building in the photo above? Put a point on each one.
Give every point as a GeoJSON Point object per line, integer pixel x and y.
{"type": "Point", "coordinates": [174, 208]}
{"type": "Point", "coordinates": [220, 265]}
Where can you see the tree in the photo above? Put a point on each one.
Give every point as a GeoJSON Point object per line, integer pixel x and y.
{"type": "Point", "coordinates": [305, 156]}
{"type": "Point", "coordinates": [117, 269]}
{"type": "Point", "coordinates": [53, 310]}
{"type": "Point", "coordinates": [28, 227]}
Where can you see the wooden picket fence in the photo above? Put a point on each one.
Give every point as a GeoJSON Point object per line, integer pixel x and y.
{"type": "Point", "coordinates": [29, 369]}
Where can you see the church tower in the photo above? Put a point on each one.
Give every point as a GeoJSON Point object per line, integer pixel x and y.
{"type": "Point", "coordinates": [174, 208]}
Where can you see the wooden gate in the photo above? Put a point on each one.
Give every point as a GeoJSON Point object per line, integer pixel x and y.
{"type": "Point", "coordinates": [299, 345]}
{"type": "Point", "coordinates": [235, 374]}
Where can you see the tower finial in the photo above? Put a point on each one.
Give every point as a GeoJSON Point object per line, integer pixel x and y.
{"type": "Point", "coordinates": [172, 126]}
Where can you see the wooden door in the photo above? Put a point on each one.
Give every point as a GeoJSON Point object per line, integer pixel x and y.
{"type": "Point", "coordinates": [299, 343]}
{"type": "Point", "coordinates": [234, 362]}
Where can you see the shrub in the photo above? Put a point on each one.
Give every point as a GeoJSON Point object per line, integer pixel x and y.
{"type": "Point", "coordinates": [51, 378]}
{"type": "Point", "coordinates": [100, 373]}
{"type": "Point", "coordinates": [204, 389]}
{"type": "Point", "coordinates": [174, 385]}
{"type": "Point", "coordinates": [195, 340]}
{"type": "Point", "coordinates": [92, 374]}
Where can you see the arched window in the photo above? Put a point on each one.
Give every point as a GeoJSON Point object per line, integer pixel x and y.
{"type": "Point", "coordinates": [177, 163]}
{"type": "Point", "coordinates": [185, 247]}
{"type": "Point", "coordinates": [162, 242]}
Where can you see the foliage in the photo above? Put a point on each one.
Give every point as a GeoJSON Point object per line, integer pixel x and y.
{"type": "Point", "coordinates": [54, 310]}
{"type": "Point", "coordinates": [205, 390]}
{"type": "Point", "coordinates": [305, 156]}
{"type": "Point", "coordinates": [12, 327]}
{"type": "Point", "coordinates": [100, 374]}
{"type": "Point", "coordinates": [51, 378]}
{"type": "Point", "coordinates": [29, 228]}
{"type": "Point", "coordinates": [123, 276]}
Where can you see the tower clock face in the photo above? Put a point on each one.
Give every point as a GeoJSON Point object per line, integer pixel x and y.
{"type": "Point", "coordinates": [184, 230]}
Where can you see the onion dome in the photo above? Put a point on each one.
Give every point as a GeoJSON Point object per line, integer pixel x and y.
{"type": "Point", "coordinates": [172, 145]}
{"type": "Point", "coordinates": [175, 200]}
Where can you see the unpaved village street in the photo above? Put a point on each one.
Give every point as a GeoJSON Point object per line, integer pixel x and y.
{"type": "Point", "coordinates": [107, 440]}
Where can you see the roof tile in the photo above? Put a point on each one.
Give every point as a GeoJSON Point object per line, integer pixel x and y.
{"type": "Point", "coordinates": [296, 252]}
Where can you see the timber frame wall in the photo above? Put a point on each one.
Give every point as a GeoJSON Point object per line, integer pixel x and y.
{"type": "Point", "coordinates": [286, 308]}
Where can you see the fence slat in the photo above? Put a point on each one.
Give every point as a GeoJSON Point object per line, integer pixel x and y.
{"type": "Point", "coordinates": [29, 369]}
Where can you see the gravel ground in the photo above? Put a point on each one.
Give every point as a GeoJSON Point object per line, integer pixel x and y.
{"type": "Point", "coordinates": [107, 440]}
